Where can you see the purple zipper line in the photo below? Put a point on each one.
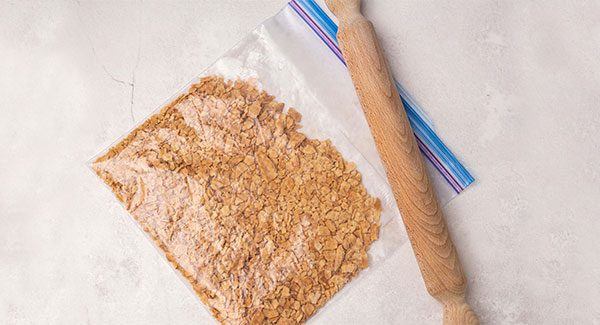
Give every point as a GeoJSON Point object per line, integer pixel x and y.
{"type": "Point", "coordinates": [335, 49]}
{"type": "Point", "coordinates": [438, 165]}
{"type": "Point", "coordinates": [317, 29]}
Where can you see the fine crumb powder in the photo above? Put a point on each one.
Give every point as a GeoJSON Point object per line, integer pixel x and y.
{"type": "Point", "coordinates": [265, 223]}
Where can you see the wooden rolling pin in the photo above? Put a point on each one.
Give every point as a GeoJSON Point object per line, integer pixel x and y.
{"type": "Point", "coordinates": [424, 221]}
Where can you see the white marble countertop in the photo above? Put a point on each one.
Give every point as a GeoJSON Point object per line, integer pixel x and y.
{"type": "Point", "coordinates": [512, 86]}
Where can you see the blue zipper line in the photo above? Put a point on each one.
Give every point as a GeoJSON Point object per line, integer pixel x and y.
{"type": "Point", "coordinates": [417, 120]}
{"type": "Point", "coordinates": [321, 17]}
{"type": "Point", "coordinates": [437, 146]}
{"type": "Point", "coordinates": [316, 29]}
{"type": "Point", "coordinates": [407, 98]}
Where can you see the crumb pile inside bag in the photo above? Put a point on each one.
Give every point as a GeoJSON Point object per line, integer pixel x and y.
{"type": "Point", "coordinates": [265, 223]}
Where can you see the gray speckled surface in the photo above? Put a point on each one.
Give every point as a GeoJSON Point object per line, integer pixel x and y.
{"type": "Point", "coordinates": [512, 86]}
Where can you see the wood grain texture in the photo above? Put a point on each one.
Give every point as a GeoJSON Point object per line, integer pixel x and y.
{"type": "Point", "coordinates": [406, 172]}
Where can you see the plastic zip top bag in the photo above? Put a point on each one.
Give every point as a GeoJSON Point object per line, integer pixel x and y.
{"type": "Point", "coordinates": [261, 183]}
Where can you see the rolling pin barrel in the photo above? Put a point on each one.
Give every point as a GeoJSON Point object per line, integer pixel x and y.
{"type": "Point", "coordinates": [406, 172]}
